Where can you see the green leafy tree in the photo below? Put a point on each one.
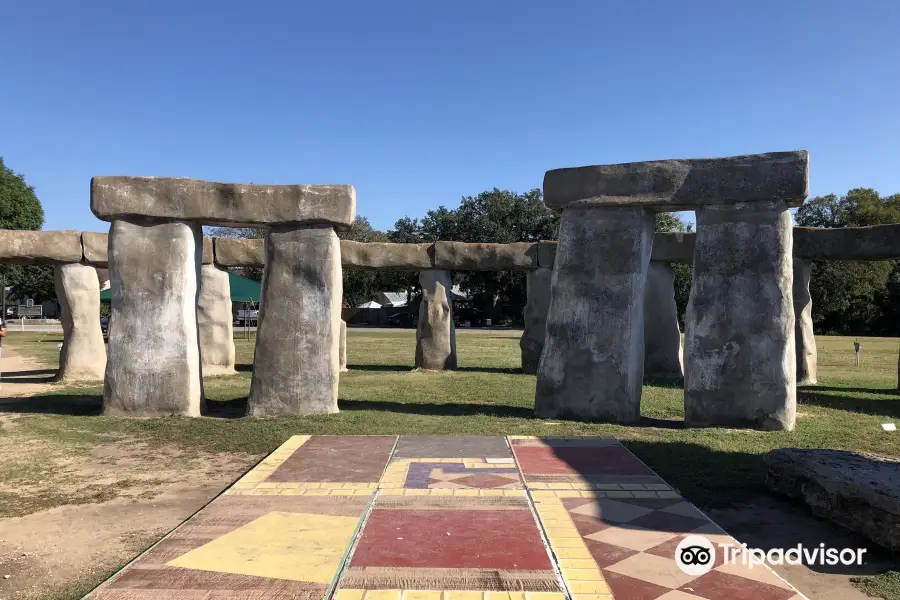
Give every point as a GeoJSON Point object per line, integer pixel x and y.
{"type": "Point", "coordinates": [853, 297]}
{"type": "Point", "coordinates": [665, 223]}
{"type": "Point", "coordinates": [21, 209]}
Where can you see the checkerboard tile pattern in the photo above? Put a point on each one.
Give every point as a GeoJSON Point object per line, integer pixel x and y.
{"type": "Point", "coordinates": [442, 518]}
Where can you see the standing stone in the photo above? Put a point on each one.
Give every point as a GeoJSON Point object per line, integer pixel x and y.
{"type": "Point", "coordinates": [83, 356]}
{"type": "Point", "coordinates": [436, 332]}
{"type": "Point", "coordinates": [592, 366]}
{"type": "Point", "coordinates": [297, 361]}
{"type": "Point", "coordinates": [344, 346]}
{"type": "Point", "coordinates": [154, 358]}
{"type": "Point", "coordinates": [662, 337]}
{"type": "Point", "coordinates": [215, 322]}
{"type": "Point", "coordinates": [807, 356]}
{"type": "Point", "coordinates": [536, 307]}
{"type": "Point", "coordinates": [740, 361]}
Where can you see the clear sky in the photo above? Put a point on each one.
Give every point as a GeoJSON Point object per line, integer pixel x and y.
{"type": "Point", "coordinates": [418, 103]}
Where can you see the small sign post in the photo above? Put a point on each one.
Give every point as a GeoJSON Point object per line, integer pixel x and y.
{"type": "Point", "coordinates": [857, 346]}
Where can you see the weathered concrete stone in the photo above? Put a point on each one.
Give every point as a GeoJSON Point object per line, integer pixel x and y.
{"type": "Point", "coordinates": [546, 254]}
{"type": "Point", "coordinates": [24, 247]}
{"type": "Point", "coordinates": [343, 347]}
{"type": "Point", "coordinates": [536, 308]}
{"type": "Point", "coordinates": [215, 322]}
{"type": "Point", "coordinates": [740, 361]}
{"type": "Point", "coordinates": [878, 242]}
{"type": "Point", "coordinates": [386, 256]}
{"type": "Point", "coordinates": [592, 366]}
{"type": "Point", "coordinates": [297, 361]}
{"type": "Point", "coordinates": [462, 256]}
{"type": "Point", "coordinates": [235, 252]}
{"type": "Point", "coordinates": [662, 337]}
{"type": "Point", "coordinates": [675, 247]}
{"type": "Point", "coordinates": [805, 340]}
{"type": "Point", "coordinates": [208, 254]}
{"type": "Point", "coordinates": [83, 356]}
{"type": "Point", "coordinates": [153, 367]}
{"type": "Point", "coordinates": [436, 332]}
{"type": "Point", "coordinates": [856, 490]}
{"type": "Point", "coordinates": [95, 247]}
{"type": "Point", "coordinates": [684, 183]}
{"type": "Point", "coordinates": [210, 202]}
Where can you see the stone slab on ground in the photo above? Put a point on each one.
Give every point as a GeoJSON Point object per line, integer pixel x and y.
{"type": "Point", "coordinates": [856, 490]}
{"type": "Point", "coordinates": [682, 184]}
{"type": "Point", "coordinates": [39, 247]}
{"type": "Point", "coordinates": [293, 527]}
{"type": "Point", "coordinates": [210, 202]}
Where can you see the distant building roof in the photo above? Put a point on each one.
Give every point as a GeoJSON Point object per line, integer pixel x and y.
{"type": "Point", "coordinates": [392, 298]}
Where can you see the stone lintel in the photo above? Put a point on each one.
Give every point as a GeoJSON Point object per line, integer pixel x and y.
{"type": "Point", "coordinates": [683, 184]}
{"type": "Point", "coordinates": [463, 256]}
{"type": "Point", "coordinates": [386, 256]}
{"type": "Point", "coordinates": [239, 252]}
{"type": "Point", "coordinates": [674, 247]}
{"type": "Point", "coordinates": [232, 204]}
{"type": "Point", "coordinates": [26, 247]}
{"type": "Point", "coordinates": [878, 242]}
{"type": "Point", "coordinates": [95, 248]}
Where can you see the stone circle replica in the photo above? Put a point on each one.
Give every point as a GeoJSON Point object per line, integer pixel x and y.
{"type": "Point", "coordinates": [600, 312]}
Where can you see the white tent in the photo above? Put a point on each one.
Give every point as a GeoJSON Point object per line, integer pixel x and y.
{"type": "Point", "coordinates": [369, 304]}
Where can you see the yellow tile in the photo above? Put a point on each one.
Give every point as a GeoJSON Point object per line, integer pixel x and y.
{"type": "Point", "coordinates": [417, 492]}
{"type": "Point", "coordinates": [316, 493]}
{"type": "Point", "coordinates": [561, 486]}
{"type": "Point", "coordinates": [639, 494]}
{"type": "Point", "coordinates": [633, 486]}
{"type": "Point", "coordinates": [540, 494]}
{"type": "Point", "coordinates": [667, 495]}
{"type": "Point", "coordinates": [516, 595]}
{"type": "Point", "coordinates": [391, 492]}
{"type": "Point", "coordinates": [421, 595]}
{"type": "Point", "coordinates": [264, 485]}
{"type": "Point", "coordinates": [544, 596]}
{"type": "Point", "coordinates": [362, 492]}
{"type": "Point", "coordinates": [566, 542]}
{"type": "Point", "coordinates": [442, 492]}
{"type": "Point", "coordinates": [592, 596]}
{"type": "Point", "coordinates": [465, 492]}
{"type": "Point", "coordinates": [349, 594]}
{"type": "Point", "coordinates": [491, 492]}
{"type": "Point", "coordinates": [619, 495]}
{"type": "Point", "coordinates": [513, 493]}
{"type": "Point", "coordinates": [279, 545]}
{"type": "Point", "coordinates": [568, 494]}
{"type": "Point", "coordinates": [455, 595]}
{"type": "Point", "coordinates": [566, 530]}
{"type": "Point", "coordinates": [573, 553]}
{"type": "Point", "coordinates": [496, 596]}
{"type": "Point", "coordinates": [340, 492]}
{"type": "Point", "coordinates": [588, 587]}
{"type": "Point", "coordinates": [382, 595]}
{"type": "Point", "coordinates": [606, 486]}
{"type": "Point", "coordinates": [582, 574]}
{"type": "Point", "coordinates": [577, 563]}
{"type": "Point", "coordinates": [657, 486]}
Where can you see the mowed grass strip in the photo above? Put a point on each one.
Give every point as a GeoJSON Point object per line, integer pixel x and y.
{"type": "Point", "coordinates": [382, 394]}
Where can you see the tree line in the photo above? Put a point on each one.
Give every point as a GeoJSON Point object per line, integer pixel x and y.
{"type": "Point", "coordinates": [849, 297]}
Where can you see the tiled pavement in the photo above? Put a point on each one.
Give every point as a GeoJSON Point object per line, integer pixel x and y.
{"type": "Point", "coordinates": [441, 518]}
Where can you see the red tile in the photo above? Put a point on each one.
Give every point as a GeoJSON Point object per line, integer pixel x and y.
{"type": "Point", "coordinates": [451, 539]}
{"type": "Point", "coordinates": [360, 458]}
{"type": "Point", "coordinates": [629, 588]}
{"type": "Point", "coordinates": [606, 555]}
{"type": "Point", "coordinates": [717, 585]}
{"type": "Point", "coordinates": [667, 550]}
{"type": "Point", "coordinates": [563, 460]}
{"type": "Point", "coordinates": [587, 525]}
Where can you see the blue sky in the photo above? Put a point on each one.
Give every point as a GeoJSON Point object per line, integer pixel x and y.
{"type": "Point", "coordinates": [419, 103]}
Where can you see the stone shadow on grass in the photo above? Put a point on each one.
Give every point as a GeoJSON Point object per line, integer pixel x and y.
{"type": "Point", "coordinates": [408, 368]}
{"type": "Point", "coordinates": [864, 406]}
{"type": "Point", "coordinates": [35, 376]}
{"type": "Point", "coordinates": [58, 404]}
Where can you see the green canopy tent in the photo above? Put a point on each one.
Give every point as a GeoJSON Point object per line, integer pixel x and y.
{"type": "Point", "coordinates": [242, 290]}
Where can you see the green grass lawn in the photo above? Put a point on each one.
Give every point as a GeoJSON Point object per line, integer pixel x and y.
{"type": "Point", "coordinates": [487, 395]}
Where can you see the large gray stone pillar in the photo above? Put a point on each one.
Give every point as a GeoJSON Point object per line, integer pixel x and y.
{"type": "Point", "coordinates": [215, 322]}
{"type": "Point", "coordinates": [662, 337]}
{"type": "Point", "coordinates": [436, 332]}
{"type": "Point", "coordinates": [592, 366]}
{"type": "Point", "coordinates": [83, 356]}
{"type": "Point", "coordinates": [740, 360]}
{"type": "Point", "coordinates": [536, 307]}
{"type": "Point", "coordinates": [297, 361]}
{"type": "Point", "coordinates": [153, 367]}
{"type": "Point", "coordinates": [343, 349]}
{"type": "Point", "coordinates": [807, 355]}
